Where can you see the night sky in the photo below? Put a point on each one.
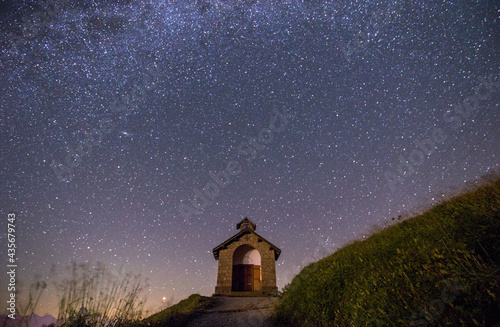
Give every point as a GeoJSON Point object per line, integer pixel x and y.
{"type": "Point", "coordinates": [138, 133]}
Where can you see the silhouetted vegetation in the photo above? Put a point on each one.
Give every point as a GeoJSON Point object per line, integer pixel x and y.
{"type": "Point", "coordinates": [25, 312]}
{"type": "Point", "coordinates": [90, 297]}
{"type": "Point", "coordinates": [93, 297]}
{"type": "Point", "coordinates": [440, 268]}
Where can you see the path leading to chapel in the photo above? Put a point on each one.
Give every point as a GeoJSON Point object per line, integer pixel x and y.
{"type": "Point", "coordinates": [237, 312]}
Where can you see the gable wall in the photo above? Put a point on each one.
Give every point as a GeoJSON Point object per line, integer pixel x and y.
{"type": "Point", "coordinates": [224, 275]}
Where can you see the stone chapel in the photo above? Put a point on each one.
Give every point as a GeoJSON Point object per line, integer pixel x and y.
{"type": "Point", "coordinates": [246, 263]}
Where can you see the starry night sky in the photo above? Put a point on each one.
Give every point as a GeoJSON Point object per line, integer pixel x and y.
{"type": "Point", "coordinates": [332, 116]}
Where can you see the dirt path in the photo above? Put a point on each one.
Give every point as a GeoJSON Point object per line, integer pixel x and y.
{"type": "Point", "coordinates": [237, 312]}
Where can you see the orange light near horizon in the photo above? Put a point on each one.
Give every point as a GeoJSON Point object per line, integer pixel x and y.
{"type": "Point", "coordinates": [164, 299]}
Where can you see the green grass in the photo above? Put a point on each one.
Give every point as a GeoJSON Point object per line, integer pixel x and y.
{"type": "Point", "coordinates": [440, 268]}
{"type": "Point", "coordinates": [180, 314]}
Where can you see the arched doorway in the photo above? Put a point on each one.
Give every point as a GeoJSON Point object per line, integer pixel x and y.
{"type": "Point", "coordinates": [247, 274]}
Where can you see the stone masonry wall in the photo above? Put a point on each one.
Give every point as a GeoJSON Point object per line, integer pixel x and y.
{"type": "Point", "coordinates": [225, 272]}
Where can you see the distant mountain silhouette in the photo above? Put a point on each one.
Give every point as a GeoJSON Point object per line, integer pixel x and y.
{"type": "Point", "coordinates": [34, 320]}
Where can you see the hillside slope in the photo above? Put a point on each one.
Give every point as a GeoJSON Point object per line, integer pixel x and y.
{"type": "Point", "coordinates": [217, 311]}
{"type": "Point", "coordinates": [439, 268]}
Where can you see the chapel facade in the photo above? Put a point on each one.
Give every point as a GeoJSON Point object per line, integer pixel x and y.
{"type": "Point", "coordinates": [246, 263]}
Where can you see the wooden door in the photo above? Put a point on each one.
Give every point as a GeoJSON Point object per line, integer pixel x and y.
{"type": "Point", "coordinates": [237, 278]}
{"type": "Point", "coordinates": [257, 287]}
{"type": "Point", "coordinates": [248, 278]}
{"type": "Point", "coordinates": [243, 278]}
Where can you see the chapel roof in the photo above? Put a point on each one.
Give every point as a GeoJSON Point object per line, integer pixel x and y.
{"type": "Point", "coordinates": [250, 229]}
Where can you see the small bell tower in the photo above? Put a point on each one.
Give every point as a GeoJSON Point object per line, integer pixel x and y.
{"type": "Point", "coordinates": [246, 224]}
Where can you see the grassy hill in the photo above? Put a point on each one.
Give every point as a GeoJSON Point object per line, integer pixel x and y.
{"type": "Point", "coordinates": [440, 268]}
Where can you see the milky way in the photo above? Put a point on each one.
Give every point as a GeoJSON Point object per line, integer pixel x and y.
{"type": "Point", "coordinates": [332, 117]}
